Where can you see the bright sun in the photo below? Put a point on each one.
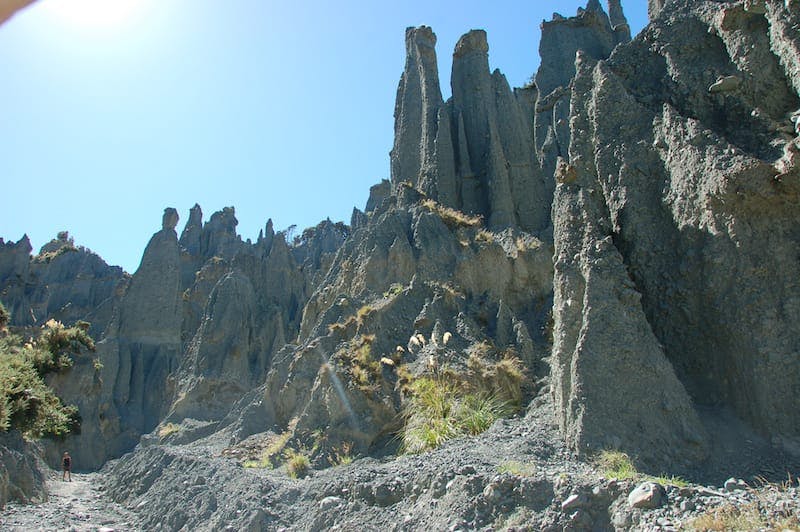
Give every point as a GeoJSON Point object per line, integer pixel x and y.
{"type": "Point", "coordinates": [93, 13]}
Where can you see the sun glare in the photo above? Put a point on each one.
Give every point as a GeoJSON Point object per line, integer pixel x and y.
{"type": "Point", "coordinates": [101, 14]}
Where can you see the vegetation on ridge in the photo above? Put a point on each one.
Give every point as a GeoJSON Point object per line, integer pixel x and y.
{"type": "Point", "coordinates": [451, 217]}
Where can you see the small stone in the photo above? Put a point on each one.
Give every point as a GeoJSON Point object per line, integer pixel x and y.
{"type": "Point", "coordinates": [576, 500]}
{"type": "Point", "coordinates": [646, 495]}
{"type": "Point", "coordinates": [329, 502]}
{"type": "Point", "coordinates": [735, 484]}
{"type": "Point", "coordinates": [686, 506]}
{"type": "Point", "coordinates": [725, 84]}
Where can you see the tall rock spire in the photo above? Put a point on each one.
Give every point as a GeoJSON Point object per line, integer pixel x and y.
{"type": "Point", "coordinates": [619, 23]}
{"type": "Point", "coordinates": [416, 110]}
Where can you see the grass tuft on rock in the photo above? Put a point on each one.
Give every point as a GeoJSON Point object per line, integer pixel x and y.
{"type": "Point", "coordinates": [297, 463]}
{"type": "Point", "coordinates": [168, 429]}
{"type": "Point", "coordinates": [516, 468]}
{"type": "Point", "coordinates": [441, 407]}
{"type": "Point", "coordinates": [616, 464]}
{"type": "Point", "coordinates": [451, 217]}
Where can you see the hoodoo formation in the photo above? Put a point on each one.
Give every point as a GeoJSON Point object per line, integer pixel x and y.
{"type": "Point", "coordinates": [609, 253]}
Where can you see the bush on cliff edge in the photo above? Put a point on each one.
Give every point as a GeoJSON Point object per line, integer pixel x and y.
{"type": "Point", "coordinates": [27, 403]}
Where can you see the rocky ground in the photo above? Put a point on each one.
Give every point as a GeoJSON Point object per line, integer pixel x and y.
{"type": "Point", "coordinates": [79, 505]}
{"type": "Point", "coordinates": [516, 476]}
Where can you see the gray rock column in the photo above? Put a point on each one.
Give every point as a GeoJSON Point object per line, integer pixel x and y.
{"type": "Point", "coordinates": [416, 109]}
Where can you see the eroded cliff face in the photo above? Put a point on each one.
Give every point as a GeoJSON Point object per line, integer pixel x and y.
{"type": "Point", "coordinates": [189, 333]}
{"type": "Point", "coordinates": [643, 190]}
{"type": "Point", "coordinates": [676, 234]}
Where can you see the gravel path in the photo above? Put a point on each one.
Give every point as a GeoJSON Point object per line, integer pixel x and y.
{"type": "Point", "coordinates": [80, 505]}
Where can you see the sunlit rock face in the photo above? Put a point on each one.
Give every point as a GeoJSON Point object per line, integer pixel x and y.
{"type": "Point", "coordinates": [641, 192]}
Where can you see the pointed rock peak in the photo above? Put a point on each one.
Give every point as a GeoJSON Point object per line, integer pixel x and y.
{"type": "Point", "coordinates": [195, 216]}
{"type": "Point", "coordinates": [378, 193]}
{"type": "Point", "coordinates": [474, 41]}
{"type": "Point", "coordinates": [422, 35]}
{"type": "Point", "coordinates": [619, 23]}
{"type": "Point", "coordinates": [170, 219]}
{"type": "Point", "coordinates": [24, 243]}
{"type": "Point", "coordinates": [594, 5]}
{"type": "Point", "coordinates": [615, 13]}
{"type": "Point", "coordinates": [266, 236]}
{"type": "Point", "coordinates": [226, 218]}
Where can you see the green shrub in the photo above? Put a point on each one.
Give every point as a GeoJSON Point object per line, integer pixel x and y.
{"type": "Point", "coordinates": [393, 291]}
{"type": "Point", "coordinates": [27, 404]}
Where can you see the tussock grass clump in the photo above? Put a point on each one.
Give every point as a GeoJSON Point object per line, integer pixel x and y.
{"type": "Point", "coordinates": [741, 517]}
{"type": "Point", "coordinates": [168, 429]}
{"type": "Point", "coordinates": [342, 455]}
{"type": "Point", "coordinates": [503, 378]}
{"type": "Point", "coordinates": [517, 468]}
{"type": "Point", "coordinates": [616, 464]}
{"type": "Point", "coordinates": [357, 359]}
{"type": "Point", "coordinates": [484, 236]}
{"type": "Point", "coordinates": [297, 463]}
{"type": "Point", "coordinates": [438, 410]}
{"type": "Point", "coordinates": [363, 312]}
{"type": "Point", "coordinates": [447, 404]}
{"type": "Point", "coordinates": [451, 217]}
{"type": "Point", "coordinates": [271, 453]}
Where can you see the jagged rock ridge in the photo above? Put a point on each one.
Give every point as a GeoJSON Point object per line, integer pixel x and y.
{"type": "Point", "coordinates": [185, 336]}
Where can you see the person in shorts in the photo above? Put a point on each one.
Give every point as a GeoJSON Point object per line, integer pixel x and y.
{"type": "Point", "coordinates": [66, 465]}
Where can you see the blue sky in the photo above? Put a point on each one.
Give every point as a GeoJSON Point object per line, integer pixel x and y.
{"type": "Point", "coordinates": [281, 109]}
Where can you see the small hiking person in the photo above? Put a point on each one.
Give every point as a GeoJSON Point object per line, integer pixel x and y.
{"type": "Point", "coordinates": [66, 465]}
